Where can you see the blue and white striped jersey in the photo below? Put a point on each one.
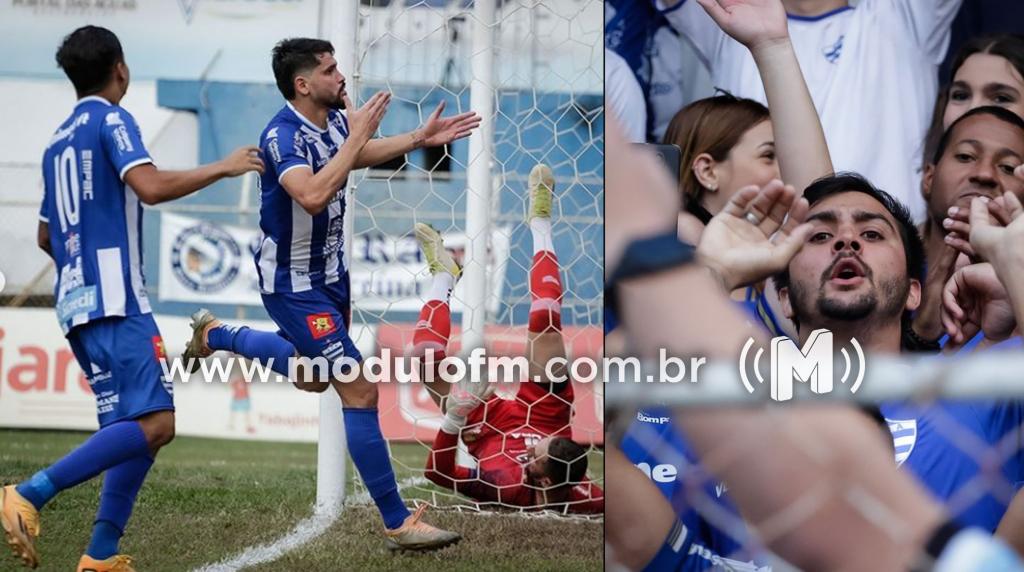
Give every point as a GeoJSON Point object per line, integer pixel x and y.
{"type": "Point", "coordinates": [299, 251]}
{"type": "Point", "coordinates": [94, 218]}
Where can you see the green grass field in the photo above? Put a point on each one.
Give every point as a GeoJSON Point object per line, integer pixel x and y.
{"type": "Point", "coordinates": [209, 499]}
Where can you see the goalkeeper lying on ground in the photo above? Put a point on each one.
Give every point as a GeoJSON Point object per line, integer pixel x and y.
{"type": "Point", "coordinates": [523, 447]}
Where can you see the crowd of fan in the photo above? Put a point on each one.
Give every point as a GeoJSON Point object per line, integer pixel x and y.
{"type": "Point", "coordinates": [833, 184]}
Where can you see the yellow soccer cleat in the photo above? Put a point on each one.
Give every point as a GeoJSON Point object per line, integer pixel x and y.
{"type": "Point", "coordinates": [542, 186]}
{"type": "Point", "coordinates": [116, 563]}
{"type": "Point", "coordinates": [20, 522]}
{"type": "Point", "coordinates": [196, 348]}
{"type": "Point", "coordinates": [417, 536]}
{"type": "Point", "coordinates": [432, 245]}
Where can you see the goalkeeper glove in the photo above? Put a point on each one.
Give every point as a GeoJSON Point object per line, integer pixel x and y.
{"type": "Point", "coordinates": [463, 398]}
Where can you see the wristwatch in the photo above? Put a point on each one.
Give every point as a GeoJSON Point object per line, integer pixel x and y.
{"type": "Point", "coordinates": [648, 256]}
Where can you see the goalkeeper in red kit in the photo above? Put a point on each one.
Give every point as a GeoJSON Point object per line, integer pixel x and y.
{"type": "Point", "coordinates": [523, 447]}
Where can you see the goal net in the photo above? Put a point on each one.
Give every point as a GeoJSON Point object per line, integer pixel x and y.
{"type": "Point", "coordinates": [534, 72]}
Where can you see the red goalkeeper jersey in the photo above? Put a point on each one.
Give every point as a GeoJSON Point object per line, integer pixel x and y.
{"type": "Point", "coordinates": [498, 435]}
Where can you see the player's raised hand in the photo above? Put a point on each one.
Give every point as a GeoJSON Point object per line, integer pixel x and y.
{"type": "Point", "coordinates": [467, 395]}
{"type": "Point", "coordinates": [463, 398]}
{"type": "Point", "coordinates": [756, 235]}
{"type": "Point", "coordinates": [752, 23]}
{"type": "Point", "coordinates": [975, 300]}
{"type": "Point", "coordinates": [363, 122]}
{"type": "Point", "coordinates": [443, 130]}
{"type": "Point", "coordinates": [243, 160]}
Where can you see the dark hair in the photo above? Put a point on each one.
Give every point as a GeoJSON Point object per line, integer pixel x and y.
{"type": "Point", "coordinates": [1007, 46]}
{"type": "Point", "coordinates": [566, 463]}
{"type": "Point", "coordinates": [997, 112]}
{"type": "Point", "coordinates": [293, 56]}
{"type": "Point", "coordinates": [913, 246]}
{"type": "Point", "coordinates": [88, 57]}
{"type": "Point", "coordinates": [713, 125]}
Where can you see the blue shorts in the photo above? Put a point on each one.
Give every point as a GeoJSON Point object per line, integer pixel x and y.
{"type": "Point", "coordinates": [120, 359]}
{"type": "Point", "coordinates": [316, 321]}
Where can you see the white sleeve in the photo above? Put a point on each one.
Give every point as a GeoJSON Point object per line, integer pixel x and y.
{"type": "Point", "coordinates": [693, 23]}
{"type": "Point", "coordinates": [624, 97]}
{"type": "Point", "coordinates": [927, 22]}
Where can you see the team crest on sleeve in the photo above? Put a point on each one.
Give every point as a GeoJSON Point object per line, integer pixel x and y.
{"type": "Point", "coordinates": [904, 436]}
{"type": "Point", "coordinates": [320, 325]}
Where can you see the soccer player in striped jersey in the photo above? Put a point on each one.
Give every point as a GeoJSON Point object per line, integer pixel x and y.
{"type": "Point", "coordinates": [96, 174]}
{"type": "Point", "coordinates": [524, 449]}
{"type": "Point", "coordinates": [312, 144]}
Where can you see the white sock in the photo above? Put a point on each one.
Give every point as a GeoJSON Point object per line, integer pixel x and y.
{"type": "Point", "coordinates": [441, 287]}
{"type": "Point", "coordinates": [541, 229]}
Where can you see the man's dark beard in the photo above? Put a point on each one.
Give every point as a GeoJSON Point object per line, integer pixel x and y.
{"type": "Point", "coordinates": [332, 103]}
{"type": "Point", "coordinates": [894, 296]}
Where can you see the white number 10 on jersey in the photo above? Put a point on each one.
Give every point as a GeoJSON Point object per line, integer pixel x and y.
{"type": "Point", "coordinates": [65, 171]}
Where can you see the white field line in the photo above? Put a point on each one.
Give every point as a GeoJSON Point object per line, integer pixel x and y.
{"type": "Point", "coordinates": [305, 531]}
{"type": "Point", "coordinates": [311, 527]}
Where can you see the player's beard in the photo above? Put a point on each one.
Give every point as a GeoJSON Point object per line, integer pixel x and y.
{"type": "Point", "coordinates": [332, 102]}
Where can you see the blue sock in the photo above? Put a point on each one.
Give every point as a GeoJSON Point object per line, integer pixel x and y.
{"type": "Point", "coordinates": [121, 485]}
{"type": "Point", "coordinates": [110, 446]}
{"type": "Point", "coordinates": [253, 344]}
{"type": "Point", "coordinates": [674, 551]}
{"type": "Point", "coordinates": [370, 456]}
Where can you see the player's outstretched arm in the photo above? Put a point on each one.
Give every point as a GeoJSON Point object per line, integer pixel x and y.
{"type": "Point", "coordinates": [435, 132]}
{"type": "Point", "coordinates": [314, 192]}
{"type": "Point", "coordinates": [761, 26]}
{"type": "Point", "coordinates": [154, 186]}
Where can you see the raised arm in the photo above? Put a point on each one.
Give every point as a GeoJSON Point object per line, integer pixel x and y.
{"type": "Point", "coordinates": [761, 26]}
{"type": "Point", "coordinates": [989, 297]}
{"type": "Point", "coordinates": [435, 132]}
{"type": "Point", "coordinates": [314, 192]}
{"type": "Point", "coordinates": [154, 186]}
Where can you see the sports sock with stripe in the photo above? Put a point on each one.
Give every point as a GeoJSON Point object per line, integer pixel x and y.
{"type": "Point", "coordinates": [370, 455]}
{"type": "Point", "coordinates": [108, 447]}
{"type": "Point", "coordinates": [121, 486]}
{"type": "Point", "coordinates": [267, 348]}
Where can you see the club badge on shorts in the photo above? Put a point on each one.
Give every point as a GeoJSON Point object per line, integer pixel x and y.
{"type": "Point", "coordinates": [320, 325]}
{"type": "Point", "coordinates": [158, 348]}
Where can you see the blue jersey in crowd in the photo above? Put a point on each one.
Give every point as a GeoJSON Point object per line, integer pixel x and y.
{"type": "Point", "coordinates": [657, 448]}
{"type": "Point", "coordinates": [299, 251]}
{"type": "Point", "coordinates": [967, 453]}
{"type": "Point", "coordinates": [94, 218]}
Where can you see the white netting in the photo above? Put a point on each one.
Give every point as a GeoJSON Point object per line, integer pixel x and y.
{"type": "Point", "coordinates": [546, 94]}
{"type": "Point", "coordinates": [955, 423]}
